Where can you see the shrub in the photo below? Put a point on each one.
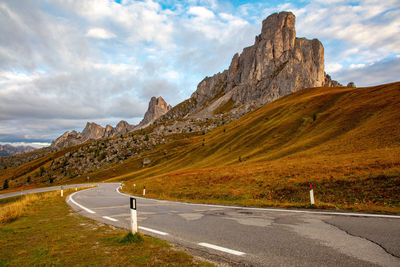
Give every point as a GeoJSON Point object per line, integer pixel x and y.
{"type": "Point", "coordinates": [41, 171]}
{"type": "Point", "coordinates": [132, 238]}
{"type": "Point", "coordinates": [146, 138]}
{"type": "Point", "coordinates": [5, 185]}
{"type": "Point", "coordinates": [314, 117]}
{"type": "Point", "coordinates": [101, 157]}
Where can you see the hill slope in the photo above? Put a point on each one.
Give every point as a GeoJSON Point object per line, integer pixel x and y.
{"type": "Point", "coordinates": [344, 140]}
{"type": "Point", "coordinates": [339, 138]}
{"type": "Point", "coordinates": [312, 122]}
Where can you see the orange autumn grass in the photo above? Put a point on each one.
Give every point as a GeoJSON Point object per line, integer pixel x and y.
{"type": "Point", "coordinates": [346, 141]}
{"type": "Point", "coordinates": [15, 209]}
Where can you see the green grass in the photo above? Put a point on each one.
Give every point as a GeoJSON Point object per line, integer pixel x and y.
{"type": "Point", "coordinates": [51, 234]}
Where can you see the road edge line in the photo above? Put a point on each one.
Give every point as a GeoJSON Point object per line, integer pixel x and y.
{"type": "Point", "coordinates": [152, 230]}
{"type": "Point", "coordinates": [79, 205]}
{"type": "Point", "coordinates": [110, 219]}
{"type": "Point", "coordinates": [223, 249]}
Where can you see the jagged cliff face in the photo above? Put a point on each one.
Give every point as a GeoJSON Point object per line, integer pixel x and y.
{"type": "Point", "coordinates": [93, 131]}
{"type": "Point", "coordinates": [276, 65]}
{"type": "Point", "coordinates": [157, 108]}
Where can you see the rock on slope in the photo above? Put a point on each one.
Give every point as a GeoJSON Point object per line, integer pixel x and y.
{"type": "Point", "coordinates": [276, 65]}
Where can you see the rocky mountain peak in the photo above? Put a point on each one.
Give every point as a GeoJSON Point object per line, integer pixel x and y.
{"type": "Point", "coordinates": [279, 28]}
{"type": "Point", "coordinates": [124, 127]}
{"type": "Point", "coordinates": [93, 131]}
{"type": "Point", "coordinates": [277, 64]}
{"type": "Point", "coordinates": [157, 107]}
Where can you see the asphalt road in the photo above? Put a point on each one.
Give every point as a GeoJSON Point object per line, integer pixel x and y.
{"type": "Point", "coordinates": [43, 189]}
{"type": "Point", "coordinates": [251, 236]}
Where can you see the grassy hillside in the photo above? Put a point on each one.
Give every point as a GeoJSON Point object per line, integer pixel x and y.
{"type": "Point", "coordinates": [344, 140]}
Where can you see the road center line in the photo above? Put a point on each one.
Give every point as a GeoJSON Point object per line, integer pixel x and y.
{"type": "Point", "coordinates": [79, 205]}
{"type": "Point", "coordinates": [109, 218]}
{"type": "Point", "coordinates": [227, 250]}
{"type": "Point", "coordinates": [152, 230]}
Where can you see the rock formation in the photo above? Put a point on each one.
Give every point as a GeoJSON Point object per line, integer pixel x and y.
{"type": "Point", "coordinates": [93, 131]}
{"type": "Point", "coordinates": [351, 85]}
{"type": "Point", "coordinates": [276, 65]}
{"type": "Point", "coordinates": [157, 108]}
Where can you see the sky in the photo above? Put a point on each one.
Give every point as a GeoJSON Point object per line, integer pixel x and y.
{"type": "Point", "coordinates": [66, 62]}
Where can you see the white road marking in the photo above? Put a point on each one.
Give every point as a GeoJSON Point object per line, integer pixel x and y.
{"type": "Point", "coordinates": [273, 210]}
{"type": "Point", "coordinates": [79, 205]}
{"type": "Point", "coordinates": [109, 218]}
{"type": "Point", "coordinates": [227, 250]}
{"type": "Point", "coordinates": [121, 192]}
{"type": "Point", "coordinates": [113, 207]}
{"type": "Point", "coordinates": [152, 230]}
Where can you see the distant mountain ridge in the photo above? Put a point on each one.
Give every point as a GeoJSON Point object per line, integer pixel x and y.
{"type": "Point", "coordinates": [9, 150]}
{"type": "Point", "coordinates": [93, 131]}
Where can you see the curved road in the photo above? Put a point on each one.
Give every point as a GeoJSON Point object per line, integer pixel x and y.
{"type": "Point", "coordinates": [42, 189]}
{"type": "Point", "coordinates": [252, 236]}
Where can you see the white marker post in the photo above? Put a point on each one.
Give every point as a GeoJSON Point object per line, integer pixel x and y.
{"type": "Point", "coordinates": [311, 195]}
{"type": "Point", "coordinates": [134, 226]}
{"type": "Point", "coordinates": [62, 191]}
{"type": "Point", "coordinates": [144, 190]}
{"type": "Point", "coordinates": [76, 188]}
{"type": "Point", "coordinates": [134, 187]}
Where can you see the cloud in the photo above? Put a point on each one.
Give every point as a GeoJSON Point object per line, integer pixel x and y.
{"type": "Point", "coordinates": [381, 72]}
{"type": "Point", "coordinates": [33, 144]}
{"type": "Point", "coordinates": [63, 63]}
{"type": "Point", "coordinates": [201, 12]}
{"type": "Point", "coordinates": [365, 30]}
{"type": "Point", "coordinates": [100, 33]}
{"type": "Point", "coordinates": [333, 67]}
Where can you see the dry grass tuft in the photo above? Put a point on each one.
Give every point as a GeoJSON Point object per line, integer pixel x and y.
{"type": "Point", "coordinates": [14, 210]}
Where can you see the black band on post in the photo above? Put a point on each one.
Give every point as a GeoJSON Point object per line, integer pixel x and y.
{"type": "Point", "coordinates": [133, 203]}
